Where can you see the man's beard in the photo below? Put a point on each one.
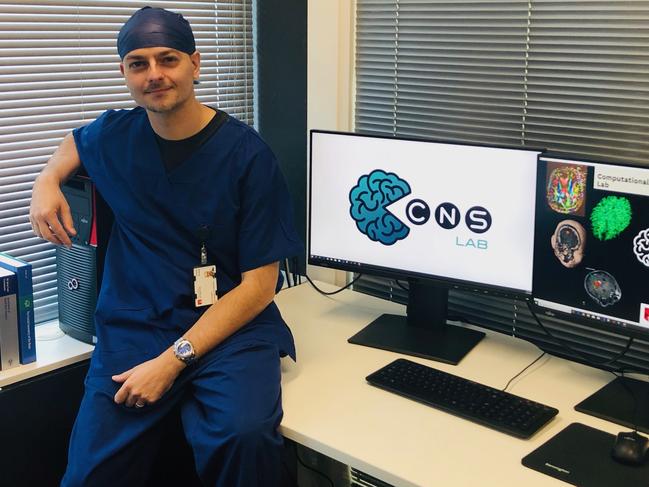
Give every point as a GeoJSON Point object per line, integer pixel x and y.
{"type": "Point", "coordinates": [163, 109]}
{"type": "Point", "coordinates": [164, 105]}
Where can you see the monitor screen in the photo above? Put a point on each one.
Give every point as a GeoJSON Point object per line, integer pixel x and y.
{"type": "Point", "coordinates": [591, 257]}
{"type": "Point", "coordinates": [463, 213]}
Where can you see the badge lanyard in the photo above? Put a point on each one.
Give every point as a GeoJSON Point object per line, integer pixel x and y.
{"type": "Point", "coordinates": [204, 275]}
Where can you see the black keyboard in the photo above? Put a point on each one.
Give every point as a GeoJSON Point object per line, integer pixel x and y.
{"type": "Point", "coordinates": [470, 400]}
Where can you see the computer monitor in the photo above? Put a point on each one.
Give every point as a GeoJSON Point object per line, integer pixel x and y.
{"type": "Point", "coordinates": [591, 261]}
{"type": "Point", "coordinates": [439, 215]}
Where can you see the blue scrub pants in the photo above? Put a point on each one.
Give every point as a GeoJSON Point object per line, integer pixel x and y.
{"type": "Point", "coordinates": [230, 403]}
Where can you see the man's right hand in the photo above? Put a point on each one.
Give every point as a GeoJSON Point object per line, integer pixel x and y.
{"type": "Point", "coordinates": [49, 212]}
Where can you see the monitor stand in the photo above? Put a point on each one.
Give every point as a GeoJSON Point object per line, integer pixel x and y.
{"type": "Point", "coordinates": [625, 403]}
{"type": "Point", "coordinates": [424, 331]}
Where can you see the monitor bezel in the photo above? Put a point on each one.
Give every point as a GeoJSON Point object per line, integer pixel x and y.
{"type": "Point", "coordinates": [401, 274]}
{"type": "Point", "coordinates": [627, 330]}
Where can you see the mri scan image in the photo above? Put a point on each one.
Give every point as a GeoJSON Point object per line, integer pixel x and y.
{"type": "Point", "coordinates": [568, 242]}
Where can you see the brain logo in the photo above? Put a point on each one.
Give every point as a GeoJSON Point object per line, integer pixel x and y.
{"type": "Point", "coordinates": [369, 200]}
{"type": "Point", "coordinates": [641, 246]}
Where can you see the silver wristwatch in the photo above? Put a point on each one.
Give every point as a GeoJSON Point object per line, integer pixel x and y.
{"type": "Point", "coordinates": [184, 351]}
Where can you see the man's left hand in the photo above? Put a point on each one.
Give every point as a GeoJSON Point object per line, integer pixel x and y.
{"type": "Point", "coordinates": [146, 383]}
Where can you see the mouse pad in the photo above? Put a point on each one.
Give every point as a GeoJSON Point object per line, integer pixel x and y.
{"type": "Point", "coordinates": [581, 455]}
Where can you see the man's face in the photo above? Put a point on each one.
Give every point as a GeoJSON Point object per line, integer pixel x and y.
{"type": "Point", "coordinates": [160, 79]}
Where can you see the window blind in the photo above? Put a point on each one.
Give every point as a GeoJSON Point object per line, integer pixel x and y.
{"type": "Point", "coordinates": [587, 87]}
{"type": "Point", "coordinates": [59, 70]}
{"type": "Point", "coordinates": [447, 70]}
{"type": "Point", "coordinates": [570, 76]}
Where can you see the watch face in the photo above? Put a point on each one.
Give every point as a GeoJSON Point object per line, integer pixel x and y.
{"type": "Point", "coordinates": [184, 348]}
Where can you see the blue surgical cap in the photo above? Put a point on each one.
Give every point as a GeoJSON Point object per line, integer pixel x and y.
{"type": "Point", "coordinates": [155, 27]}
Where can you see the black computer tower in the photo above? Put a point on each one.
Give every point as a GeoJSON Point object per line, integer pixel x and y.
{"type": "Point", "coordinates": [80, 267]}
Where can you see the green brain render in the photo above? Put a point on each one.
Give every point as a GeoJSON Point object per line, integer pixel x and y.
{"type": "Point", "coordinates": [610, 217]}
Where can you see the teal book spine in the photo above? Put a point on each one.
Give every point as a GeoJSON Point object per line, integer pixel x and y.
{"type": "Point", "coordinates": [25, 306]}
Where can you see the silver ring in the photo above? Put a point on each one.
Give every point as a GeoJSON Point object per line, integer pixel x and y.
{"type": "Point", "coordinates": [139, 405]}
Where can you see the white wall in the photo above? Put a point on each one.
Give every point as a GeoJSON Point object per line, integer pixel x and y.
{"type": "Point", "coordinates": [329, 80]}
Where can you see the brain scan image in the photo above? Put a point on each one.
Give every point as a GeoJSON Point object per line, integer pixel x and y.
{"type": "Point", "coordinates": [566, 189]}
{"type": "Point", "coordinates": [641, 246]}
{"type": "Point", "coordinates": [602, 288]}
{"type": "Point", "coordinates": [568, 242]}
{"type": "Point", "coordinates": [610, 217]}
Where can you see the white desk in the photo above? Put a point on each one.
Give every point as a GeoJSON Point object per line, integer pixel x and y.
{"type": "Point", "coordinates": [330, 408]}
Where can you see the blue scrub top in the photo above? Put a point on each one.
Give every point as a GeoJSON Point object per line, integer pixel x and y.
{"type": "Point", "coordinates": [230, 190]}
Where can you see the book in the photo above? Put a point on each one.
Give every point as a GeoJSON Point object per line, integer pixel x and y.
{"type": "Point", "coordinates": [25, 304]}
{"type": "Point", "coordinates": [9, 354]}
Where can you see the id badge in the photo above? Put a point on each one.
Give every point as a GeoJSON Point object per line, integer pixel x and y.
{"type": "Point", "coordinates": [204, 285]}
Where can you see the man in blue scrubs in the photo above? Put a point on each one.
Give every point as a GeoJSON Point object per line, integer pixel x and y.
{"type": "Point", "coordinates": [196, 195]}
